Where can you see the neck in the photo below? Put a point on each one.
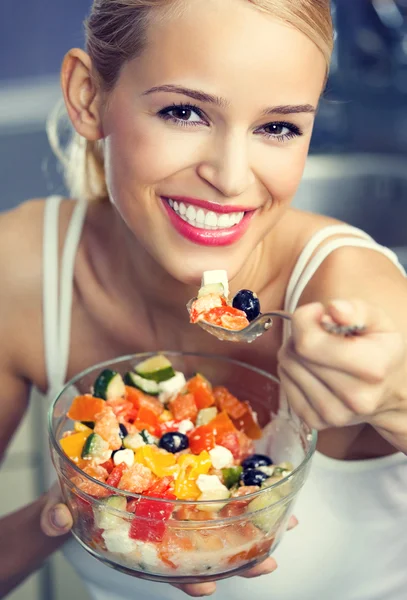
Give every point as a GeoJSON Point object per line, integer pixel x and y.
{"type": "Point", "coordinates": [144, 280]}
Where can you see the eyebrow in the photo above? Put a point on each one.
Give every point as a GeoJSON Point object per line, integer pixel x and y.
{"type": "Point", "coordinates": [221, 102]}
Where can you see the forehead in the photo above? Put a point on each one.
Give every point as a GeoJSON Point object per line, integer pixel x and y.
{"type": "Point", "coordinates": [230, 46]}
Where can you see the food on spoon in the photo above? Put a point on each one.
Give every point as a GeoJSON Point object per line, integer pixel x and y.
{"type": "Point", "coordinates": [248, 302]}
{"type": "Point", "coordinates": [196, 448]}
{"type": "Point", "coordinates": [212, 305]}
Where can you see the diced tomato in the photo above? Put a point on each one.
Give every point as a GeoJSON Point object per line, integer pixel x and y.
{"type": "Point", "coordinates": [221, 424]}
{"type": "Point", "coordinates": [230, 440]}
{"type": "Point", "coordinates": [248, 424]}
{"type": "Point", "coordinates": [169, 426]}
{"type": "Point", "coordinates": [204, 304]}
{"type": "Point", "coordinates": [116, 475]}
{"type": "Point", "coordinates": [149, 523]}
{"type": "Point", "coordinates": [160, 487]}
{"type": "Point", "coordinates": [202, 391]}
{"type": "Point", "coordinates": [201, 438]}
{"type": "Point", "coordinates": [108, 465]}
{"type": "Point", "coordinates": [147, 419]}
{"type": "Point", "coordinates": [184, 407]}
{"type": "Point", "coordinates": [227, 316]}
{"type": "Point", "coordinates": [85, 408]}
{"type": "Point", "coordinates": [137, 479]}
{"type": "Point", "coordinates": [139, 399]}
{"type": "Point", "coordinates": [246, 445]}
{"type": "Point", "coordinates": [228, 402]}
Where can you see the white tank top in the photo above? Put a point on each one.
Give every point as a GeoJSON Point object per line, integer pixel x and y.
{"type": "Point", "coordinates": [351, 543]}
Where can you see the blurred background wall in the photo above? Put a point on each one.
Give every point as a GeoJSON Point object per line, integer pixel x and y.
{"type": "Point", "coordinates": [357, 170]}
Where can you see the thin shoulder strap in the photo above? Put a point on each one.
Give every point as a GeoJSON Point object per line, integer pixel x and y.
{"type": "Point", "coordinates": [50, 285]}
{"type": "Point", "coordinates": [57, 291]}
{"type": "Point", "coordinates": [72, 239]}
{"type": "Point", "coordinates": [306, 266]}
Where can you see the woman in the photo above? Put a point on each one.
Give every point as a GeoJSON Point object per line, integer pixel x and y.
{"type": "Point", "coordinates": [211, 103]}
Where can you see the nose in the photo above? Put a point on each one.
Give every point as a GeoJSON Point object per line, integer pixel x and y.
{"type": "Point", "coordinates": [226, 166]}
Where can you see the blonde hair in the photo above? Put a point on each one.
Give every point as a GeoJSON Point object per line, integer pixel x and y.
{"type": "Point", "coordinates": [116, 31]}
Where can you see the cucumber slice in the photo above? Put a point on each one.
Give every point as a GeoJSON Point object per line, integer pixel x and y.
{"type": "Point", "coordinates": [109, 385]}
{"type": "Point", "coordinates": [133, 441]}
{"type": "Point", "coordinates": [104, 518]}
{"type": "Point", "coordinates": [148, 386]}
{"type": "Point", "coordinates": [206, 415]}
{"type": "Point", "coordinates": [266, 520]}
{"type": "Point", "coordinates": [231, 476]}
{"type": "Point", "coordinates": [158, 368]}
{"type": "Point", "coordinates": [148, 438]}
{"type": "Point", "coordinates": [212, 288]}
{"type": "Point", "coordinates": [96, 447]}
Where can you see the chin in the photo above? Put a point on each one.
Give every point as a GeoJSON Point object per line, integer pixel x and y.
{"type": "Point", "coordinates": [188, 268]}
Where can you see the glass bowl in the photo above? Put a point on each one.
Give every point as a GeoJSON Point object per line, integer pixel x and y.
{"type": "Point", "coordinates": [181, 541]}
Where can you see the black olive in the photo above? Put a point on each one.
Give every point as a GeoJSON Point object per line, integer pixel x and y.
{"type": "Point", "coordinates": [248, 302]}
{"type": "Point", "coordinates": [173, 441]}
{"type": "Point", "coordinates": [253, 477]}
{"type": "Point", "coordinates": [256, 460]}
{"type": "Point", "coordinates": [123, 431]}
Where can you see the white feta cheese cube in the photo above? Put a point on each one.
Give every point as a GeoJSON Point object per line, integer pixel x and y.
{"type": "Point", "coordinates": [209, 483]}
{"type": "Point", "coordinates": [221, 457]}
{"type": "Point", "coordinates": [185, 426]}
{"type": "Point", "coordinates": [118, 540]}
{"type": "Point", "coordinates": [124, 456]}
{"type": "Point", "coordinates": [133, 441]}
{"type": "Point", "coordinates": [217, 276]}
{"type": "Point", "coordinates": [171, 387]}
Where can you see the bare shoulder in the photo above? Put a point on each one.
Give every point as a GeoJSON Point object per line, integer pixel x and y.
{"type": "Point", "coordinates": [21, 273]}
{"type": "Point", "coordinates": [357, 272]}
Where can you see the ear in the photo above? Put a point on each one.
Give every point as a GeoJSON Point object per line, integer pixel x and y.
{"type": "Point", "coordinates": [82, 98]}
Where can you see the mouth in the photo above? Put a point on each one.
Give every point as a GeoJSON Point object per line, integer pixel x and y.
{"type": "Point", "coordinates": [206, 223]}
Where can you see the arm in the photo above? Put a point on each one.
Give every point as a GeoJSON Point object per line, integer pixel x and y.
{"type": "Point", "coordinates": [23, 545]}
{"type": "Point", "coordinates": [336, 382]}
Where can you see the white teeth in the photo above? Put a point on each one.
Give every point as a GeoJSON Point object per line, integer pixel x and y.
{"type": "Point", "coordinates": [200, 216]}
{"type": "Point", "coordinates": [191, 213]}
{"type": "Point", "coordinates": [226, 221]}
{"type": "Point", "coordinates": [211, 219]}
{"type": "Point", "coordinates": [202, 219]}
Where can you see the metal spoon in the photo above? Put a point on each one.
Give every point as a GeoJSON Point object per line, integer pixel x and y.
{"type": "Point", "coordinates": [264, 322]}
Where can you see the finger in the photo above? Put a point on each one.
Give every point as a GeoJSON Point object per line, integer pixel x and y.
{"type": "Point", "coordinates": [264, 568]}
{"type": "Point", "coordinates": [336, 396]}
{"type": "Point", "coordinates": [293, 522]}
{"type": "Point", "coordinates": [368, 357]}
{"type": "Point", "coordinates": [55, 519]}
{"type": "Point", "coordinates": [358, 312]}
{"type": "Point", "coordinates": [197, 590]}
{"type": "Point", "coordinates": [298, 402]}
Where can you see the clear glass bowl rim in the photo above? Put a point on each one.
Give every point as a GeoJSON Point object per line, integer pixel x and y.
{"type": "Point", "coordinates": [130, 495]}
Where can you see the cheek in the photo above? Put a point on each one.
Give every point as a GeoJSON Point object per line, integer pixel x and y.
{"type": "Point", "coordinates": [281, 173]}
{"type": "Point", "coordinates": [145, 153]}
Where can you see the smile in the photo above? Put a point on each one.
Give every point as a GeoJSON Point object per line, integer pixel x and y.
{"type": "Point", "coordinates": [205, 219]}
{"type": "Point", "coordinates": [207, 223]}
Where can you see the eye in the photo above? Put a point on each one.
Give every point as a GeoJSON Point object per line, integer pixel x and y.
{"type": "Point", "coordinates": [280, 131]}
{"type": "Point", "coordinates": [183, 114]}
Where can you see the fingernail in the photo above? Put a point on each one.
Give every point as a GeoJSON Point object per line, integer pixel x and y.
{"type": "Point", "coordinates": [342, 306]}
{"type": "Point", "coordinates": [59, 518]}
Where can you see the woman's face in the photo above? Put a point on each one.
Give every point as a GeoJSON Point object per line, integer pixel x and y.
{"type": "Point", "coordinates": [207, 132]}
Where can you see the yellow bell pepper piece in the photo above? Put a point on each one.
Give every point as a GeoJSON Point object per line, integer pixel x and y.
{"type": "Point", "coordinates": [165, 416]}
{"type": "Point", "coordinates": [73, 444]}
{"type": "Point", "coordinates": [191, 466]}
{"type": "Point", "coordinates": [160, 462]}
{"type": "Point", "coordinates": [78, 426]}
